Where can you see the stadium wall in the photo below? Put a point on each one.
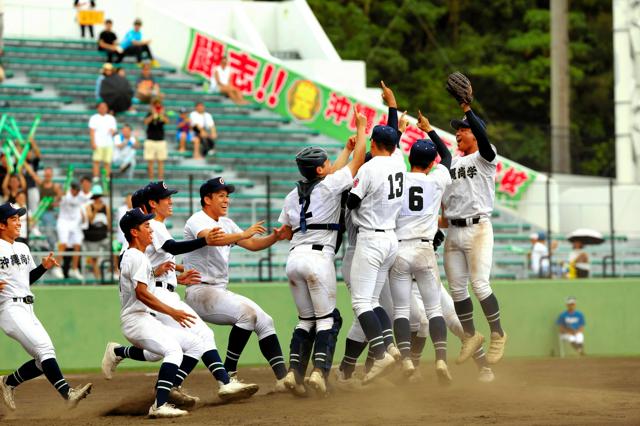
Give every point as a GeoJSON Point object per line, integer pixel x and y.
{"type": "Point", "coordinates": [81, 320]}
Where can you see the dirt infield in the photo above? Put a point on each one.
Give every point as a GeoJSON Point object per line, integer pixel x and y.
{"type": "Point", "coordinates": [532, 392]}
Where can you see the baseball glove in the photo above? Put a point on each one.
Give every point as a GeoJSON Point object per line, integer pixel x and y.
{"type": "Point", "coordinates": [459, 86]}
{"type": "Point", "coordinates": [438, 239]}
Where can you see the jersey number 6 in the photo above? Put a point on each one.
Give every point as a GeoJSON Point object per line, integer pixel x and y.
{"type": "Point", "coordinates": [395, 192]}
{"type": "Point", "coordinates": [416, 202]}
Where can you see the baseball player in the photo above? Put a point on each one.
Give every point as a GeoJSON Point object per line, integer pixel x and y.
{"type": "Point", "coordinates": [211, 299]}
{"type": "Point", "coordinates": [69, 229]}
{"type": "Point", "coordinates": [468, 203]}
{"type": "Point", "coordinates": [17, 317]}
{"type": "Point", "coordinates": [416, 227]}
{"type": "Point", "coordinates": [161, 253]}
{"type": "Point", "coordinates": [312, 213]}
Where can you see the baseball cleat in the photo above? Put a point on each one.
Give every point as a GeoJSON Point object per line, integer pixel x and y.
{"type": "Point", "coordinates": [350, 384]}
{"type": "Point", "coordinates": [166, 410]}
{"type": "Point", "coordinates": [407, 367]}
{"type": "Point", "coordinates": [76, 394]}
{"type": "Point", "coordinates": [179, 396]}
{"type": "Point", "coordinates": [496, 348]}
{"type": "Point", "coordinates": [486, 375]}
{"type": "Point", "coordinates": [110, 360]}
{"type": "Point", "coordinates": [8, 393]}
{"type": "Point", "coordinates": [378, 368]}
{"type": "Point", "coordinates": [416, 377]}
{"type": "Point", "coordinates": [280, 386]}
{"type": "Point", "coordinates": [293, 386]}
{"type": "Point", "coordinates": [442, 371]}
{"type": "Point", "coordinates": [236, 390]}
{"type": "Point", "coordinates": [317, 383]}
{"type": "Point", "coordinates": [470, 345]}
{"type": "Point", "coordinates": [394, 352]}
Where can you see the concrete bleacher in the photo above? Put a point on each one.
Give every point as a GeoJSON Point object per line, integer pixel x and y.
{"type": "Point", "coordinates": [56, 79]}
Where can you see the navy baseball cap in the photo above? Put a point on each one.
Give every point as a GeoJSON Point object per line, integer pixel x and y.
{"type": "Point", "coordinates": [7, 210]}
{"type": "Point", "coordinates": [385, 135]}
{"type": "Point", "coordinates": [158, 191]}
{"type": "Point", "coordinates": [214, 185]}
{"type": "Point", "coordinates": [133, 218]}
{"type": "Point", "coordinates": [139, 198]}
{"type": "Point", "coordinates": [423, 152]}
{"type": "Point", "coordinates": [464, 123]}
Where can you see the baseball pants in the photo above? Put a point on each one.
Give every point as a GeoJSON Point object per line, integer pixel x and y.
{"type": "Point", "coordinates": [418, 318]}
{"type": "Point", "coordinates": [577, 338]}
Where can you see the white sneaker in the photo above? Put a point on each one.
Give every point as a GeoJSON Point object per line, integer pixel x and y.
{"type": "Point", "coordinates": [166, 410]}
{"type": "Point", "coordinates": [486, 375]}
{"type": "Point", "coordinates": [292, 385]}
{"type": "Point", "coordinates": [470, 345]}
{"type": "Point", "coordinates": [317, 383]}
{"type": "Point", "coordinates": [110, 360]}
{"type": "Point", "coordinates": [350, 384]}
{"type": "Point", "coordinates": [496, 348]}
{"type": "Point", "coordinates": [379, 366]}
{"type": "Point", "coordinates": [74, 273]}
{"type": "Point", "coordinates": [8, 393]}
{"type": "Point", "coordinates": [407, 367]}
{"type": "Point", "coordinates": [77, 394]}
{"type": "Point", "coordinates": [442, 371]}
{"type": "Point", "coordinates": [235, 390]}
{"type": "Point", "coordinates": [57, 272]}
{"type": "Point", "coordinates": [394, 352]}
{"type": "Point", "coordinates": [179, 396]}
{"type": "Point", "coordinates": [280, 387]}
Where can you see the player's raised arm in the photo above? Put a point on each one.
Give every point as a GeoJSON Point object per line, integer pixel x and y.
{"type": "Point", "coordinates": [443, 151]}
{"type": "Point", "coordinates": [360, 148]}
{"type": "Point", "coordinates": [209, 238]}
{"type": "Point", "coordinates": [145, 296]}
{"type": "Point", "coordinates": [47, 263]}
{"type": "Point", "coordinates": [343, 157]}
{"type": "Point", "coordinates": [228, 239]}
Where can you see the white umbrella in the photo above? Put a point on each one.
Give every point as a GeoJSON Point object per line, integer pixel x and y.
{"type": "Point", "coordinates": [586, 236]}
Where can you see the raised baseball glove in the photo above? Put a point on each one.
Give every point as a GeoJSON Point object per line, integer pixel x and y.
{"type": "Point", "coordinates": [438, 239]}
{"type": "Point", "coordinates": [459, 86]}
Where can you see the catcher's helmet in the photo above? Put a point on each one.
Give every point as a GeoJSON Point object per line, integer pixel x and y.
{"type": "Point", "coordinates": [310, 158]}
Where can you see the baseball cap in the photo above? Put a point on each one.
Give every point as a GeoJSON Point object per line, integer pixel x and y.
{"type": "Point", "coordinates": [571, 300]}
{"type": "Point", "coordinates": [96, 192]}
{"type": "Point", "coordinates": [385, 135]}
{"type": "Point", "coordinates": [139, 198]}
{"type": "Point", "coordinates": [138, 21]}
{"type": "Point", "coordinates": [423, 152]}
{"type": "Point", "coordinates": [214, 185]}
{"type": "Point", "coordinates": [133, 218]}
{"type": "Point", "coordinates": [464, 123]}
{"type": "Point", "coordinates": [182, 110]}
{"type": "Point", "coordinates": [7, 210]}
{"type": "Point", "coordinates": [533, 236]}
{"type": "Point", "coordinates": [158, 191]}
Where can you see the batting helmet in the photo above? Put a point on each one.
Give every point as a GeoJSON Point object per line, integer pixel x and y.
{"type": "Point", "coordinates": [423, 152]}
{"type": "Point", "coordinates": [310, 158]}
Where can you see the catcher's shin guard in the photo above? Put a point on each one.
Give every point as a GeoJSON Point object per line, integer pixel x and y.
{"type": "Point", "coordinates": [300, 351]}
{"type": "Point", "coordinates": [325, 344]}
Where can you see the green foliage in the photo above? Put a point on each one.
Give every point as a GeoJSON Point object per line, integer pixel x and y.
{"type": "Point", "coordinates": [504, 48]}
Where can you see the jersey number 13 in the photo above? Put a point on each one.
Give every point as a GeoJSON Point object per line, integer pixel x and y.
{"type": "Point", "coordinates": [395, 191]}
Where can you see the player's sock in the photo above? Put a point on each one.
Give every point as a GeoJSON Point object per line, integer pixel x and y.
{"type": "Point", "coordinates": [130, 352]}
{"type": "Point", "coordinates": [186, 367]}
{"type": "Point", "coordinates": [369, 362]}
{"type": "Point", "coordinates": [385, 323]}
{"type": "Point", "coordinates": [52, 371]}
{"type": "Point", "coordinates": [402, 330]}
{"type": "Point", "coordinates": [166, 375]}
{"type": "Point", "coordinates": [480, 359]}
{"type": "Point", "coordinates": [352, 351]}
{"type": "Point", "coordinates": [270, 348]}
{"type": "Point", "coordinates": [492, 312]}
{"type": "Point", "coordinates": [464, 310]}
{"type": "Point", "coordinates": [238, 338]}
{"type": "Point", "coordinates": [371, 327]}
{"type": "Point", "coordinates": [438, 333]}
{"type": "Point", "coordinates": [27, 371]}
{"type": "Point", "coordinates": [213, 362]}
{"type": "Point", "coordinates": [299, 352]}
{"type": "Point", "coordinates": [417, 346]}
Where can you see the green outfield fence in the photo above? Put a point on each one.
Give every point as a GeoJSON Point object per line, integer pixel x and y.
{"type": "Point", "coordinates": [80, 320]}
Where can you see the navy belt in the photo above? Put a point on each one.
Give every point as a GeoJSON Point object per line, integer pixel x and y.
{"type": "Point", "coordinates": [317, 247]}
{"type": "Point", "coordinates": [461, 223]}
{"type": "Point", "coordinates": [27, 299]}
{"type": "Point", "coordinates": [424, 240]}
{"type": "Point", "coordinates": [374, 230]}
{"type": "Point", "coordinates": [170, 287]}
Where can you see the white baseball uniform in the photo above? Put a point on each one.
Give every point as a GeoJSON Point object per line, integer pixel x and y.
{"type": "Point", "coordinates": [69, 225]}
{"type": "Point", "coordinates": [468, 250]}
{"type": "Point", "coordinates": [17, 318]}
{"type": "Point", "coordinates": [211, 299]}
{"type": "Point", "coordinates": [140, 325]}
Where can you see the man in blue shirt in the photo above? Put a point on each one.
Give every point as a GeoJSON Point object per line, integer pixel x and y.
{"type": "Point", "coordinates": [133, 44]}
{"type": "Point", "coordinates": [571, 326]}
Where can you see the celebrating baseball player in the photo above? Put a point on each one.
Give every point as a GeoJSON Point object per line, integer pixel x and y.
{"type": "Point", "coordinates": [17, 317]}
{"type": "Point", "coordinates": [312, 213]}
{"type": "Point", "coordinates": [468, 204]}
{"type": "Point", "coordinates": [161, 253]}
{"type": "Point", "coordinates": [416, 227]}
{"type": "Point", "coordinates": [211, 299]}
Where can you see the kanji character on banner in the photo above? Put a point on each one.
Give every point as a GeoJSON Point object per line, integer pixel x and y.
{"type": "Point", "coordinates": [512, 180]}
{"type": "Point", "coordinates": [339, 107]}
{"type": "Point", "coordinates": [368, 112]}
{"type": "Point", "coordinates": [244, 71]}
{"type": "Point", "coordinates": [205, 54]}
{"type": "Point", "coordinates": [410, 136]}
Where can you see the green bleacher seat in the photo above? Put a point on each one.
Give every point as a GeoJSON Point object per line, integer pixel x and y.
{"type": "Point", "coordinates": [20, 88]}
{"type": "Point", "coordinates": [35, 99]}
{"type": "Point", "coordinates": [59, 63]}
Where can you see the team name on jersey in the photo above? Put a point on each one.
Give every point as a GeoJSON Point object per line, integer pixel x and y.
{"type": "Point", "coordinates": [13, 260]}
{"type": "Point", "coordinates": [463, 172]}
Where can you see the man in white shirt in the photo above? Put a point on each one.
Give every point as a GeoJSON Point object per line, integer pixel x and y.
{"type": "Point", "coordinates": [102, 127]}
{"type": "Point", "coordinates": [69, 229]}
{"type": "Point", "coordinates": [204, 128]}
{"type": "Point", "coordinates": [539, 255]}
{"type": "Point", "coordinates": [17, 317]}
{"type": "Point", "coordinates": [124, 156]}
{"type": "Point", "coordinates": [221, 82]}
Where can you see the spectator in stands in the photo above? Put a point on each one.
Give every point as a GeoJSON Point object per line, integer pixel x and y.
{"type": "Point", "coordinates": [33, 160]}
{"type": "Point", "coordinates": [155, 146]}
{"type": "Point", "coordinates": [85, 5]}
{"type": "Point", "coordinates": [221, 82]}
{"type": "Point", "coordinates": [107, 42]}
{"type": "Point", "coordinates": [105, 71]}
{"type": "Point", "coordinates": [120, 239]}
{"type": "Point", "coordinates": [47, 188]}
{"type": "Point", "coordinates": [21, 202]}
{"type": "Point", "coordinates": [204, 129]}
{"type": "Point", "coordinates": [146, 87]}
{"type": "Point", "coordinates": [124, 156]}
{"type": "Point", "coordinates": [85, 189]}
{"type": "Point", "coordinates": [96, 235]}
{"type": "Point", "coordinates": [69, 230]}
{"type": "Point", "coordinates": [4, 167]}
{"type": "Point", "coordinates": [579, 266]}
{"type": "Point", "coordinates": [184, 134]}
{"type": "Point", "coordinates": [571, 326]}
{"type": "Point", "coordinates": [102, 128]}
{"type": "Point", "coordinates": [11, 185]}
{"type": "Point", "coordinates": [134, 45]}
{"type": "Point", "coordinates": [539, 255]}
